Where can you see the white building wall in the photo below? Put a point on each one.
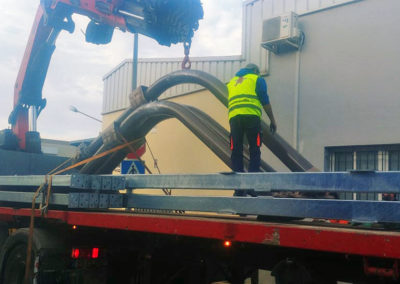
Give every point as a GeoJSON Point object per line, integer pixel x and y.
{"type": "Point", "coordinates": [255, 11]}
{"type": "Point", "coordinates": [118, 82]}
{"type": "Point", "coordinates": [344, 92]}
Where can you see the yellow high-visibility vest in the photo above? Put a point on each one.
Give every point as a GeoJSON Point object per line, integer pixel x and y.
{"type": "Point", "coordinates": [243, 98]}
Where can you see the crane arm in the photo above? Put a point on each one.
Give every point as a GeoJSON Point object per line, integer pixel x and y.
{"type": "Point", "coordinates": [167, 21]}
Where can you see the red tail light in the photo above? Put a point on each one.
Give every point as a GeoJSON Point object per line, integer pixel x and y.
{"type": "Point", "coordinates": [227, 244]}
{"type": "Point", "coordinates": [95, 252]}
{"type": "Point", "coordinates": [86, 253]}
{"type": "Point", "coordinates": [75, 253]}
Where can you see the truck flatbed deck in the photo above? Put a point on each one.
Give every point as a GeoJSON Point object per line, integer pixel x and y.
{"type": "Point", "coordinates": [310, 236]}
{"type": "Point", "coordinates": [214, 237]}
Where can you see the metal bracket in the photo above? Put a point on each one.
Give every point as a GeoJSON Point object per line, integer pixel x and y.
{"type": "Point", "coordinates": [116, 200]}
{"type": "Point", "coordinates": [104, 201]}
{"type": "Point", "coordinates": [137, 97]}
{"type": "Point", "coordinates": [118, 183]}
{"type": "Point", "coordinates": [80, 181]}
{"type": "Point", "coordinates": [95, 182]}
{"type": "Point", "coordinates": [95, 200]}
{"type": "Point", "coordinates": [73, 200]}
{"type": "Point", "coordinates": [106, 183]}
{"type": "Point", "coordinates": [113, 183]}
{"type": "Point", "coordinates": [83, 200]}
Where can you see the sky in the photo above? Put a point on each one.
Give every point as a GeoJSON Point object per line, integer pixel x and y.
{"type": "Point", "coordinates": [75, 75]}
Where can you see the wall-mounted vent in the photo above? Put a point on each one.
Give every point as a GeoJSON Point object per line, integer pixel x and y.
{"type": "Point", "coordinates": [281, 34]}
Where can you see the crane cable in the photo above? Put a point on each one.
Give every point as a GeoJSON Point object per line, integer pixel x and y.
{"type": "Point", "coordinates": [165, 190]}
{"type": "Point", "coordinates": [155, 161]}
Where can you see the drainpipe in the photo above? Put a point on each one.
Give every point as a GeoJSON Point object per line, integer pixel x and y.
{"type": "Point", "coordinates": [296, 109]}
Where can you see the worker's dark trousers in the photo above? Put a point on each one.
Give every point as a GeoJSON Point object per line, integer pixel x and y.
{"type": "Point", "coordinates": [249, 125]}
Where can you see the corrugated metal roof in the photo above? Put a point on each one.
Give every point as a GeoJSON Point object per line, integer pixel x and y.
{"type": "Point", "coordinates": [271, 8]}
{"type": "Point", "coordinates": [117, 83]}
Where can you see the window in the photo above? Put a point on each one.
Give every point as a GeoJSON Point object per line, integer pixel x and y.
{"type": "Point", "coordinates": [369, 157]}
{"type": "Point", "coordinates": [343, 161]}
{"type": "Point", "coordinates": [367, 160]}
{"type": "Point", "coordinates": [394, 160]}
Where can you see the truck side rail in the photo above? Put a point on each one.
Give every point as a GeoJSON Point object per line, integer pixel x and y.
{"type": "Point", "coordinates": [103, 192]}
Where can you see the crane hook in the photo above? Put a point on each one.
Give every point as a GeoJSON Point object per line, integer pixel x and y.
{"type": "Point", "coordinates": [186, 64]}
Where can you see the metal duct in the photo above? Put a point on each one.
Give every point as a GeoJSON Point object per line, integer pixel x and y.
{"type": "Point", "coordinates": [286, 153]}
{"type": "Point", "coordinates": [135, 123]}
{"type": "Point", "coordinates": [142, 120]}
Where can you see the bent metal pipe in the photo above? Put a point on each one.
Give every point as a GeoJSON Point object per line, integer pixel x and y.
{"type": "Point", "coordinates": [282, 149]}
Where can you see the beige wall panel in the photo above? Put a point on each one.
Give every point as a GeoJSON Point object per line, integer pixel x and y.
{"type": "Point", "coordinates": [110, 117]}
{"type": "Point", "coordinates": [177, 149]}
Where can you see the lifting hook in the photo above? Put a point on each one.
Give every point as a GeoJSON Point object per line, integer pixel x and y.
{"type": "Point", "coordinates": [186, 64]}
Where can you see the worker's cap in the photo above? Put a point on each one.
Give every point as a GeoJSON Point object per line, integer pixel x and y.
{"type": "Point", "coordinates": [253, 67]}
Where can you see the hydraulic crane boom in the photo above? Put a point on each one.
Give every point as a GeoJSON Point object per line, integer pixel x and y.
{"type": "Point", "coordinates": [167, 21]}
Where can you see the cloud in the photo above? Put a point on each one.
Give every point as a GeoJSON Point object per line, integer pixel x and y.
{"type": "Point", "coordinates": [77, 68]}
{"type": "Point", "coordinates": [220, 32]}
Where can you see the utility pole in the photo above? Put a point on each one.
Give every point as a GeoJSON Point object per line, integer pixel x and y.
{"type": "Point", "coordinates": [135, 61]}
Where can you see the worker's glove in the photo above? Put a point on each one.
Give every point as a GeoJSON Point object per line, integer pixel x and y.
{"type": "Point", "coordinates": [272, 127]}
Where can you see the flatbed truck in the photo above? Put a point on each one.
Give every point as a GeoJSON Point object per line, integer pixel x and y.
{"type": "Point", "coordinates": [82, 225]}
{"type": "Point", "coordinates": [79, 238]}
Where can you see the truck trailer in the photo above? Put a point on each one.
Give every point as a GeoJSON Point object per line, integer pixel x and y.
{"type": "Point", "coordinates": [73, 221]}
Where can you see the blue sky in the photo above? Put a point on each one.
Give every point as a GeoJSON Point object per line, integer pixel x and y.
{"type": "Point", "coordinates": [77, 68]}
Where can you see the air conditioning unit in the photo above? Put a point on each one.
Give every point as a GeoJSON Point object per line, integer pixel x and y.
{"type": "Point", "coordinates": [281, 34]}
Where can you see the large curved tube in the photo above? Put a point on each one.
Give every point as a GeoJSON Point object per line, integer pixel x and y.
{"type": "Point", "coordinates": [142, 120]}
{"type": "Point", "coordinates": [286, 153]}
{"type": "Point", "coordinates": [214, 126]}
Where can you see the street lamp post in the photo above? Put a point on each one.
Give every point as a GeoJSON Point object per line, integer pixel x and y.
{"type": "Point", "coordinates": [74, 109]}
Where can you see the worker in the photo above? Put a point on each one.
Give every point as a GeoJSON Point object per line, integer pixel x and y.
{"type": "Point", "coordinates": [247, 97]}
